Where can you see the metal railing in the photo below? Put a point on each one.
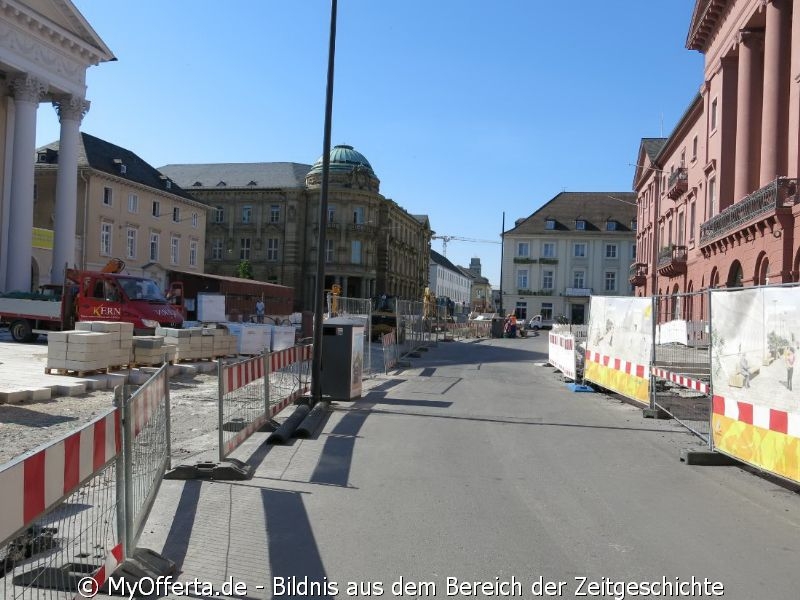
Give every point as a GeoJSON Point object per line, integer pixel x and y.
{"type": "Point", "coordinates": [360, 311]}
{"type": "Point", "coordinates": [773, 196]}
{"type": "Point", "coordinates": [671, 254]}
{"type": "Point", "coordinates": [243, 401]}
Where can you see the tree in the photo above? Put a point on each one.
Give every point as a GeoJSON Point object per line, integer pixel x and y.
{"type": "Point", "coordinates": [244, 270]}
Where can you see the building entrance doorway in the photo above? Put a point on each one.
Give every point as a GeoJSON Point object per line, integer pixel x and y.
{"type": "Point", "coordinates": [577, 314]}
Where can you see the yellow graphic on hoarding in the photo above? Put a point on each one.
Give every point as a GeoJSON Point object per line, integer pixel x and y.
{"type": "Point", "coordinates": [42, 238]}
{"type": "Point", "coordinates": [630, 386]}
{"type": "Point", "coordinates": [770, 450]}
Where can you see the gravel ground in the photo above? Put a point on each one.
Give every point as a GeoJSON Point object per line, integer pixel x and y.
{"type": "Point", "coordinates": [193, 401]}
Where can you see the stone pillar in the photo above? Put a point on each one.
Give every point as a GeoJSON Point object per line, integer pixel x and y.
{"type": "Point", "coordinates": [28, 93]}
{"type": "Point", "coordinates": [344, 287]}
{"type": "Point", "coordinates": [793, 157]}
{"type": "Point", "coordinates": [775, 98]}
{"type": "Point", "coordinates": [749, 45]}
{"type": "Point", "coordinates": [70, 112]}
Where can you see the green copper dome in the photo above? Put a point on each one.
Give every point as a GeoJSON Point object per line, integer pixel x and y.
{"type": "Point", "coordinates": [344, 158]}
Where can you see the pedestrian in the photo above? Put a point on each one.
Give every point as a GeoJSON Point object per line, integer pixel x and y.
{"type": "Point", "coordinates": [260, 311]}
{"type": "Point", "coordinates": [788, 357]}
{"type": "Point", "coordinates": [744, 370]}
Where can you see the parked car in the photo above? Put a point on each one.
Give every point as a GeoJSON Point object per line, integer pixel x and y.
{"type": "Point", "coordinates": [536, 323]}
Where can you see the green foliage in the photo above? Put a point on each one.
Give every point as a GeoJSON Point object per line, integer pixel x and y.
{"type": "Point", "coordinates": [245, 270]}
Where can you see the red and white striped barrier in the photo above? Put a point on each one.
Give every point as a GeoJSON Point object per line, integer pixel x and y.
{"type": "Point", "coordinates": [289, 356]}
{"type": "Point", "coordinates": [389, 341]}
{"type": "Point", "coordinates": [561, 354]}
{"type": "Point", "coordinates": [34, 484]}
{"type": "Point", "coordinates": [764, 417]}
{"type": "Point", "coordinates": [112, 561]}
{"type": "Point", "coordinates": [145, 402]}
{"type": "Point", "coordinates": [681, 380]}
{"type": "Point", "coordinates": [623, 366]}
{"type": "Point", "coordinates": [240, 374]}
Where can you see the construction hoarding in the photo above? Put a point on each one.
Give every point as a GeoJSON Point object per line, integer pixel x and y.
{"type": "Point", "coordinates": [756, 412]}
{"type": "Point", "coordinates": [619, 345]}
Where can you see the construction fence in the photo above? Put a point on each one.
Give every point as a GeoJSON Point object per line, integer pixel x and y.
{"type": "Point", "coordinates": [358, 311]}
{"type": "Point", "coordinates": [73, 510]}
{"type": "Point", "coordinates": [720, 362]}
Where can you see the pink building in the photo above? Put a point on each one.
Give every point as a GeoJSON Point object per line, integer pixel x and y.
{"type": "Point", "coordinates": [717, 200]}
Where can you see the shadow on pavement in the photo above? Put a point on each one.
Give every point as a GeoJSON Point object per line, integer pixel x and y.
{"type": "Point", "coordinates": [177, 543]}
{"type": "Point", "coordinates": [335, 460]}
{"type": "Point", "coordinates": [293, 552]}
{"type": "Point", "coordinates": [31, 418]}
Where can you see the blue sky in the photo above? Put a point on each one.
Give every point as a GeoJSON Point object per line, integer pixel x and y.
{"type": "Point", "coordinates": [465, 109]}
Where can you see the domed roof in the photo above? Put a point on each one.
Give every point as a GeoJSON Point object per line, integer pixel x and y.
{"type": "Point", "coordinates": [344, 158]}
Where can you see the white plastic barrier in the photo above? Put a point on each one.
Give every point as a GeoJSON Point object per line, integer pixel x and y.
{"type": "Point", "coordinates": [561, 354]}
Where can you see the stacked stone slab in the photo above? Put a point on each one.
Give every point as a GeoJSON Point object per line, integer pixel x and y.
{"type": "Point", "coordinates": [195, 343]}
{"type": "Point", "coordinates": [79, 351]}
{"type": "Point", "coordinates": [121, 352]}
{"type": "Point", "coordinates": [151, 350]}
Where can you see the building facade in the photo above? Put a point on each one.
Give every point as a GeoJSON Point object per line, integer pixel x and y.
{"type": "Point", "coordinates": [577, 245]}
{"type": "Point", "coordinates": [717, 199]}
{"type": "Point", "coordinates": [448, 282]}
{"type": "Point", "coordinates": [127, 210]}
{"type": "Point", "coordinates": [268, 214]}
{"type": "Point", "coordinates": [480, 288]}
{"type": "Point", "coordinates": [45, 51]}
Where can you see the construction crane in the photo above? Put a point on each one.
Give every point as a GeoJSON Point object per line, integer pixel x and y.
{"type": "Point", "coordinates": [447, 238]}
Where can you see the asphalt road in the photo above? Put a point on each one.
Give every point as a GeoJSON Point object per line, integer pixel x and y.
{"type": "Point", "coordinates": [484, 466]}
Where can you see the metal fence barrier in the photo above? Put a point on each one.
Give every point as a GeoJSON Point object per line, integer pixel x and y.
{"type": "Point", "coordinates": [244, 405]}
{"type": "Point", "coordinates": [390, 356]}
{"type": "Point", "coordinates": [61, 517]}
{"type": "Point", "coordinates": [360, 311]}
{"type": "Point", "coordinates": [411, 327]}
{"type": "Point", "coordinates": [289, 376]}
{"type": "Point", "coordinates": [680, 383]}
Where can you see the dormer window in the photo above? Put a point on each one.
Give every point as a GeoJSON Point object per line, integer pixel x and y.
{"type": "Point", "coordinates": [580, 224]}
{"type": "Point", "coordinates": [550, 224]}
{"type": "Point", "coordinates": [611, 225]}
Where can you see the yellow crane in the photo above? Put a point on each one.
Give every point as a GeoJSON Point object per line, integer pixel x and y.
{"type": "Point", "coordinates": [447, 238]}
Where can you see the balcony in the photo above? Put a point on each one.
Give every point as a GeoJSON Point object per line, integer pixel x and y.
{"type": "Point", "coordinates": [672, 261]}
{"type": "Point", "coordinates": [638, 275]}
{"type": "Point", "coordinates": [765, 204]}
{"type": "Point", "coordinates": [578, 292]}
{"type": "Point", "coordinates": [678, 183]}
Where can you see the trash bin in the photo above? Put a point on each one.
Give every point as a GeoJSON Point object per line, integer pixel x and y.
{"type": "Point", "coordinates": [497, 327]}
{"type": "Point", "coordinates": [342, 364]}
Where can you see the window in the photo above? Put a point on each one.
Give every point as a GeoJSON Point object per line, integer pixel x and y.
{"type": "Point", "coordinates": [611, 281]}
{"type": "Point", "coordinates": [523, 249]}
{"type": "Point", "coordinates": [547, 279]}
{"type": "Point", "coordinates": [611, 225]}
{"type": "Point", "coordinates": [194, 220]}
{"type": "Point", "coordinates": [176, 214]}
{"type": "Point", "coordinates": [546, 311]}
{"type": "Point", "coordinates": [156, 208]}
{"type": "Point", "coordinates": [579, 251]}
{"type": "Point", "coordinates": [550, 224]}
{"type": "Point", "coordinates": [154, 239]}
{"type": "Point", "coordinates": [712, 197]}
{"type": "Point", "coordinates": [244, 249]}
{"type": "Point", "coordinates": [105, 239]}
{"type": "Point", "coordinates": [692, 218]}
{"type": "Point", "coordinates": [680, 229]}
{"type": "Point", "coordinates": [611, 251]}
{"type": "Point", "coordinates": [358, 215]}
{"type": "Point", "coordinates": [329, 251]}
{"type": "Point", "coordinates": [694, 148]}
{"type": "Point", "coordinates": [331, 213]}
{"type": "Point", "coordinates": [175, 244]}
{"type": "Point", "coordinates": [275, 213]}
{"type": "Point", "coordinates": [579, 278]}
{"type": "Point", "coordinates": [107, 196]}
{"type": "Point", "coordinates": [549, 250]}
{"type": "Point", "coordinates": [633, 251]}
{"type": "Point", "coordinates": [219, 214]}
{"type": "Point", "coordinates": [521, 311]}
{"type": "Point", "coordinates": [522, 279]}
{"type": "Point", "coordinates": [580, 225]}
{"type": "Point", "coordinates": [714, 114]}
{"type": "Point", "coordinates": [633, 225]}
{"type": "Point", "coordinates": [131, 242]}
{"type": "Point", "coordinates": [216, 249]}
{"type": "Point", "coordinates": [247, 214]}
{"type": "Point", "coordinates": [355, 252]}
{"type": "Point", "coordinates": [193, 253]}
{"type": "Point", "coordinates": [133, 203]}
{"type": "Point", "coordinates": [272, 249]}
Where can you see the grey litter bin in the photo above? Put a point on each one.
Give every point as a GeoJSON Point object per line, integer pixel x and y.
{"type": "Point", "coordinates": [342, 364]}
{"type": "Point", "coordinates": [497, 327]}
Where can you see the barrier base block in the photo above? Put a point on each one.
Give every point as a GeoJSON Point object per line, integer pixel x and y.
{"type": "Point", "coordinates": [655, 413]}
{"type": "Point", "coordinates": [143, 563]}
{"type": "Point", "coordinates": [230, 470]}
{"type": "Point", "coordinates": [579, 387]}
{"type": "Point", "coordinates": [707, 458]}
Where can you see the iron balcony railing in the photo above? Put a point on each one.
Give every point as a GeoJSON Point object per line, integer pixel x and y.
{"type": "Point", "coordinates": [678, 182]}
{"type": "Point", "coordinates": [671, 254]}
{"type": "Point", "coordinates": [776, 194]}
{"type": "Point", "coordinates": [638, 268]}
{"type": "Point", "coordinates": [578, 291]}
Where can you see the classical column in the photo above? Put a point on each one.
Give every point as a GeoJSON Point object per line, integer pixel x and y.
{"type": "Point", "coordinates": [775, 98]}
{"type": "Point", "coordinates": [793, 127]}
{"type": "Point", "coordinates": [749, 44]}
{"type": "Point", "coordinates": [70, 112]}
{"type": "Point", "coordinates": [28, 92]}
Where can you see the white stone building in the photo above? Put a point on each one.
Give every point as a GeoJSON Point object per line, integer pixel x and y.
{"type": "Point", "coordinates": [447, 281]}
